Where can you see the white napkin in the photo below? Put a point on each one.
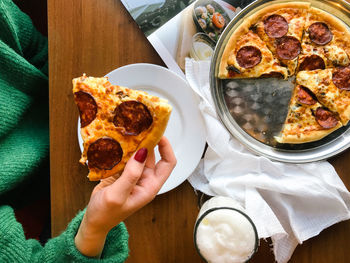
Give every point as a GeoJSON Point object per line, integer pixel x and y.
{"type": "Point", "coordinates": [288, 202]}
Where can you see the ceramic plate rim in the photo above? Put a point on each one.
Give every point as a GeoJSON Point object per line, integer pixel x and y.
{"type": "Point", "coordinates": [185, 166]}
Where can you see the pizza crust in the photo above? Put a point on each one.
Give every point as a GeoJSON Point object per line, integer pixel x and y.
{"type": "Point", "coordinates": [301, 125]}
{"type": "Point", "coordinates": [257, 16]}
{"type": "Point", "coordinates": [254, 18]}
{"type": "Point", "coordinates": [229, 48]}
{"type": "Point", "coordinates": [322, 16]}
{"type": "Point", "coordinates": [149, 142]}
{"type": "Point", "coordinates": [107, 99]}
{"type": "Point", "coordinates": [232, 46]}
{"type": "Point", "coordinates": [306, 137]}
{"type": "Point", "coordinates": [321, 84]}
{"type": "Point", "coordinates": [267, 64]}
{"type": "Point", "coordinates": [295, 17]}
{"type": "Point", "coordinates": [336, 52]}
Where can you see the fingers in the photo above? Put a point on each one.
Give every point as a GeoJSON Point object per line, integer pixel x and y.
{"type": "Point", "coordinates": [131, 174]}
{"type": "Point", "coordinates": [103, 183]}
{"type": "Point", "coordinates": [166, 151]}
{"type": "Point", "coordinates": [151, 160]}
{"type": "Point", "coordinates": [137, 165]}
{"type": "Point", "coordinates": [168, 160]}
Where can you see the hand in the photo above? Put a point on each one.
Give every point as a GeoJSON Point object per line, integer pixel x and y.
{"type": "Point", "coordinates": [114, 199]}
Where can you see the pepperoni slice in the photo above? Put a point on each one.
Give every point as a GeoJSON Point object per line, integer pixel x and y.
{"type": "Point", "coordinates": [312, 62]}
{"type": "Point", "coordinates": [288, 47]}
{"type": "Point", "coordinates": [341, 78]}
{"type": "Point", "coordinates": [248, 56]}
{"type": "Point", "coordinates": [133, 116]}
{"type": "Point", "coordinates": [305, 96]}
{"type": "Point", "coordinates": [276, 26]}
{"type": "Point", "coordinates": [105, 153]}
{"type": "Point", "coordinates": [87, 107]}
{"type": "Point", "coordinates": [320, 34]}
{"type": "Point", "coordinates": [325, 118]}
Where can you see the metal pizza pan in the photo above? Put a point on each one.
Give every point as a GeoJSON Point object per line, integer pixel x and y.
{"type": "Point", "coordinates": [254, 110]}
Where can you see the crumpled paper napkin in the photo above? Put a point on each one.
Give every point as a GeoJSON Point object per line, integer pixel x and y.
{"type": "Point", "coordinates": [288, 202]}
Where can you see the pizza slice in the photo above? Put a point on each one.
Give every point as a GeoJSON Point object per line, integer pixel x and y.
{"type": "Point", "coordinates": [307, 119]}
{"type": "Point", "coordinates": [331, 87]}
{"type": "Point", "coordinates": [281, 28]}
{"type": "Point", "coordinates": [247, 56]}
{"type": "Point", "coordinates": [326, 42]}
{"type": "Point", "coordinates": [115, 122]}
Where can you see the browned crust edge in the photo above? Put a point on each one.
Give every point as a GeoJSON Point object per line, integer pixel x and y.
{"type": "Point", "coordinates": [244, 28]}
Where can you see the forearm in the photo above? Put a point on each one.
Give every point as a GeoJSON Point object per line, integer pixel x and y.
{"type": "Point", "coordinates": [89, 242]}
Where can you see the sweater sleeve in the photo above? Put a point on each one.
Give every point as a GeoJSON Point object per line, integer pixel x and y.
{"type": "Point", "coordinates": [15, 248]}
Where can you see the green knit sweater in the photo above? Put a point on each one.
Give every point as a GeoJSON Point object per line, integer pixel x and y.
{"type": "Point", "coordinates": [24, 142]}
{"type": "Point", "coordinates": [14, 248]}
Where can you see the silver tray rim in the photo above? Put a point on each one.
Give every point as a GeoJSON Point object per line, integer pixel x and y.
{"type": "Point", "coordinates": [322, 152]}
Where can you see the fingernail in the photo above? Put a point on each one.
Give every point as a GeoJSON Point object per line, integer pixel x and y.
{"type": "Point", "coordinates": [141, 155]}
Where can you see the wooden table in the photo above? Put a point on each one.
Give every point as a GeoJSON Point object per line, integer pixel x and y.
{"type": "Point", "coordinates": [95, 37]}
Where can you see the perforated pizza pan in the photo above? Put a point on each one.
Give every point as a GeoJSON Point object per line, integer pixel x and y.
{"type": "Point", "coordinates": [254, 110]}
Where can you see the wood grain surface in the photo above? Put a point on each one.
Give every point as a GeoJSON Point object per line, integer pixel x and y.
{"type": "Point", "coordinates": [95, 37]}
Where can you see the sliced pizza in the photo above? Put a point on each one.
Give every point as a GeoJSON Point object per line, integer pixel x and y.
{"type": "Point", "coordinates": [281, 28]}
{"type": "Point", "coordinates": [295, 39]}
{"type": "Point", "coordinates": [247, 56]}
{"type": "Point", "coordinates": [115, 122]}
{"type": "Point", "coordinates": [331, 87]}
{"type": "Point", "coordinates": [326, 42]}
{"type": "Point", "coordinates": [307, 119]}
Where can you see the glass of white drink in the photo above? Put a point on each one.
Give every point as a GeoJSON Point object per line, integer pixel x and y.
{"type": "Point", "coordinates": [223, 233]}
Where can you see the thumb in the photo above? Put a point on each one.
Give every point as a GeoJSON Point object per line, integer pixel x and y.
{"type": "Point", "coordinates": [131, 174]}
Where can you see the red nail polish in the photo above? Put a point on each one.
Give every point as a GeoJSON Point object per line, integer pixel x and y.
{"type": "Point", "coordinates": [141, 155]}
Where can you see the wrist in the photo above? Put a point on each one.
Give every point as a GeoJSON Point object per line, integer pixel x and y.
{"type": "Point", "coordinates": [89, 240]}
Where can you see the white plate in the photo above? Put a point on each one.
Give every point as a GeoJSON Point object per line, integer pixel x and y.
{"type": "Point", "coordinates": [185, 130]}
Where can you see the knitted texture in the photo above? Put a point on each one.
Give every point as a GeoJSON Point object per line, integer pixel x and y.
{"type": "Point", "coordinates": [15, 248]}
{"type": "Point", "coordinates": [24, 143]}
{"type": "Point", "coordinates": [24, 133]}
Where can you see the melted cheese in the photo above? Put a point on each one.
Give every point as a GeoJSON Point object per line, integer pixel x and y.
{"type": "Point", "coordinates": [336, 55]}
{"type": "Point", "coordinates": [321, 84]}
{"type": "Point", "coordinates": [296, 20]}
{"type": "Point", "coordinates": [268, 63]}
{"type": "Point", "coordinates": [334, 51]}
{"type": "Point", "coordinates": [107, 98]}
{"type": "Point", "coordinates": [301, 125]}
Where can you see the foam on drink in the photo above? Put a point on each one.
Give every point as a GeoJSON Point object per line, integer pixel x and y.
{"type": "Point", "coordinates": [224, 235]}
